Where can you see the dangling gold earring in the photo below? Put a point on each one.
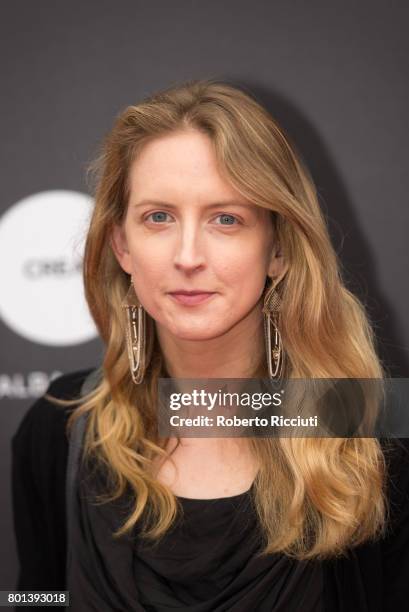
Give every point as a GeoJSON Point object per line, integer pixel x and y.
{"type": "Point", "coordinates": [274, 347]}
{"type": "Point", "coordinates": [135, 334]}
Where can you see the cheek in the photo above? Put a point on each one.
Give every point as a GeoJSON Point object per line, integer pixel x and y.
{"type": "Point", "coordinates": [148, 273]}
{"type": "Point", "coordinates": [148, 264]}
{"type": "Point", "coordinates": [239, 273]}
{"type": "Point", "coordinates": [244, 272]}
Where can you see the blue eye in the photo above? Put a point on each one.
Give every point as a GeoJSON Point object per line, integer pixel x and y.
{"type": "Point", "coordinates": [161, 214]}
{"type": "Point", "coordinates": [230, 219]}
{"type": "Point", "coordinates": [160, 217]}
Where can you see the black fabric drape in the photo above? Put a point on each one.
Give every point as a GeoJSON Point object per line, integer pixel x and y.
{"type": "Point", "coordinates": [206, 563]}
{"type": "Point", "coordinates": [374, 577]}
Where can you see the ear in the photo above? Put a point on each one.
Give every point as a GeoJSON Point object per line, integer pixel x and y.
{"type": "Point", "coordinates": [119, 245]}
{"type": "Point", "coordinates": [278, 266]}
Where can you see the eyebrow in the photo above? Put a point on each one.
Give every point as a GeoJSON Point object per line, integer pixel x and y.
{"type": "Point", "coordinates": [212, 205]}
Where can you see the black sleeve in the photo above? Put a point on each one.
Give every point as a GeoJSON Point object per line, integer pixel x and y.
{"type": "Point", "coordinates": [39, 461]}
{"type": "Point", "coordinates": [395, 546]}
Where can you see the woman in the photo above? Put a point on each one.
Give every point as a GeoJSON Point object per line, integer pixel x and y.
{"type": "Point", "coordinates": [208, 256]}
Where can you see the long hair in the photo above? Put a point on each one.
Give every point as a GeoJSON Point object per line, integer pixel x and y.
{"type": "Point", "coordinates": [314, 497]}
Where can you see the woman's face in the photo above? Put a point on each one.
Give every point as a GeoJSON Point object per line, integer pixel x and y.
{"type": "Point", "coordinates": [187, 229]}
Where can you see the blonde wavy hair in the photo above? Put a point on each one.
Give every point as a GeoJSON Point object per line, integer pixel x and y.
{"type": "Point", "coordinates": [314, 497]}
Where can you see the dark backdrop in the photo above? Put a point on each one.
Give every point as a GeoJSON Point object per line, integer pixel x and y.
{"type": "Point", "coordinates": [333, 73]}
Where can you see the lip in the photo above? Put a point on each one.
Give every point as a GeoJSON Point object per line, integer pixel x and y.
{"type": "Point", "coordinates": [190, 298]}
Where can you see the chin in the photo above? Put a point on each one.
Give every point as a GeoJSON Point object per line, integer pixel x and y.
{"type": "Point", "coordinates": [199, 334]}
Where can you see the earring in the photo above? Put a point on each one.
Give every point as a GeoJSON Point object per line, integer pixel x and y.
{"type": "Point", "coordinates": [274, 348]}
{"type": "Point", "coordinates": [135, 334]}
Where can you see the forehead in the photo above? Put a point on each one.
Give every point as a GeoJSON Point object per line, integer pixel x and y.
{"type": "Point", "coordinates": [180, 164]}
{"type": "Point", "coordinates": [191, 148]}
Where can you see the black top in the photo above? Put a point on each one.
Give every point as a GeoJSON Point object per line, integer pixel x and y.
{"type": "Point", "coordinates": [205, 563]}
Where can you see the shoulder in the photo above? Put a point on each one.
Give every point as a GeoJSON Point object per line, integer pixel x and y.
{"type": "Point", "coordinates": [396, 452]}
{"type": "Point", "coordinates": [394, 545]}
{"type": "Point", "coordinates": [45, 421]}
{"type": "Point", "coordinates": [39, 466]}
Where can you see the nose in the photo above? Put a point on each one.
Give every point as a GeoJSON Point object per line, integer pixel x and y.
{"type": "Point", "coordinates": [189, 251]}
